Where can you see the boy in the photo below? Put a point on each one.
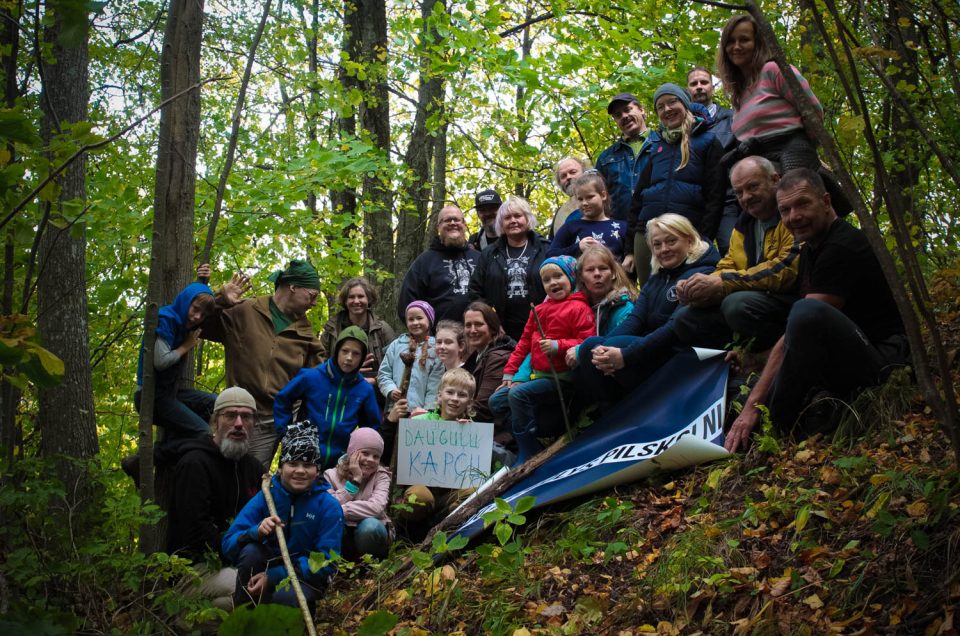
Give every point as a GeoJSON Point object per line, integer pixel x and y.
{"type": "Point", "coordinates": [311, 518]}
{"type": "Point", "coordinates": [336, 397]}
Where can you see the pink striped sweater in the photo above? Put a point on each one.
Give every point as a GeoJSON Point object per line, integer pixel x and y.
{"type": "Point", "coordinates": [769, 107]}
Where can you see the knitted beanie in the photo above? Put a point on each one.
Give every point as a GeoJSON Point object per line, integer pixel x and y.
{"type": "Point", "coordinates": [365, 437]}
{"type": "Point", "coordinates": [672, 89]}
{"type": "Point", "coordinates": [567, 264]}
{"type": "Point", "coordinates": [300, 444]}
{"type": "Point", "coordinates": [234, 396]}
{"type": "Point", "coordinates": [423, 306]}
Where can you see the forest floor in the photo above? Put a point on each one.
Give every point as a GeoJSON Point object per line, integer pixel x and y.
{"type": "Point", "coordinates": [855, 533]}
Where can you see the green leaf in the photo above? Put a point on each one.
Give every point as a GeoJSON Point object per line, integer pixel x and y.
{"type": "Point", "coordinates": [920, 539]}
{"type": "Point", "coordinates": [503, 506]}
{"type": "Point", "coordinates": [17, 127]}
{"type": "Point", "coordinates": [458, 542]}
{"type": "Point", "coordinates": [503, 532]}
{"type": "Point", "coordinates": [265, 619]}
{"type": "Point", "coordinates": [377, 623]}
{"type": "Point", "coordinates": [517, 520]}
{"type": "Point", "coordinates": [524, 504]}
{"type": "Point", "coordinates": [803, 516]}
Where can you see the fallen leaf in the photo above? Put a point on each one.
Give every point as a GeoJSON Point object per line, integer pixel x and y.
{"type": "Point", "coordinates": [813, 602]}
{"type": "Point", "coordinates": [553, 610]}
{"type": "Point", "coordinates": [780, 587]}
{"type": "Point", "coordinates": [523, 631]}
{"type": "Point", "coordinates": [917, 509]}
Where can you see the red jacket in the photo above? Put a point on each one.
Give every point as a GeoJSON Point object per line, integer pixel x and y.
{"type": "Point", "coordinates": [569, 321]}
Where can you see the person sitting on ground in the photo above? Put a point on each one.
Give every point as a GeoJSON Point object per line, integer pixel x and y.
{"type": "Point", "coordinates": [562, 321]}
{"type": "Point", "coordinates": [683, 175]}
{"type": "Point", "coordinates": [565, 172]}
{"type": "Point", "coordinates": [426, 371]}
{"type": "Point", "coordinates": [506, 277]}
{"type": "Point", "coordinates": [357, 298]}
{"type": "Point", "coordinates": [490, 349]}
{"type": "Point", "coordinates": [441, 275]}
{"type": "Point", "coordinates": [334, 396]}
{"type": "Point", "coordinates": [844, 333]}
{"type": "Point", "coordinates": [311, 519]}
{"type": "Point", "coordinates": [612, 365]}
{"type": "Point", "coordinates": [362, 486]}
{"type": "Point", "coordinates": [595, 227]}
{"type": "Point", "coordinates": [450, 345]}
{"type": "Point", "coordinates": [213, 478]}
{"type": "Point", "coordinates": [266, 341]}
{"type": "Point", "coordinates": [182, 413]}
{"type": "Point", "coordinates": [750, 294]}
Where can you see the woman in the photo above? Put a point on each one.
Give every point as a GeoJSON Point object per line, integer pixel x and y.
{"type": "Point", "coordinates": [683, 174]}
{"type": "Point", "coordinates": [357, 298]}
{"type": "Point", "coordinates": [508, 275]}
{"type": "Point", "coordinates": [611, 366]}
{"type": "Point", "coordinates": [766, 115]}
{"type": "Point", "coordinates": [489, 349]}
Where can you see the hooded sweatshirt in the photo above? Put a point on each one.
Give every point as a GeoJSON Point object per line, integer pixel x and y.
{"type": "Point", "coordinates": [172, 330]}
{"type": "Point", "coordinates": [334, 401]}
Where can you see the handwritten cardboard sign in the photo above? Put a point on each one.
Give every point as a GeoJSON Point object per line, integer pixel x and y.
{"type": "Point", "coordinates": [443, 454]}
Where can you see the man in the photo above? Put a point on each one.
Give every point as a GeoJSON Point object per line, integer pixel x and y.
{"type": "Point", "coordinates": [564, 174]}
{"type": "Point", "coordinates": [621, 164]}
{"type": "Point", "coordinates": [844, 333]}
{"type": "Point", "coordinates": [213, 477]}
{"type": "Point", "coordinates": [701, 88]}
{"type": "Point", "coordinates": [751, 292]}
{"type": "Point", "coordinates": [441, 275]}
{"type": "Point", "coordinates": [267, 340]}
{"type": "Point", "coordinates": [487, 202]}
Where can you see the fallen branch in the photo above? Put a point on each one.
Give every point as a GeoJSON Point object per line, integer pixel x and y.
{"type": "Point", "coordinates": [294, 582]}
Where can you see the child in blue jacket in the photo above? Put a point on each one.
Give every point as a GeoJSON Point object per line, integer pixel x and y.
{"type": "Point", "coordinates": [312, 521]}
{"type": "Point", "coordinates": [336, 397]}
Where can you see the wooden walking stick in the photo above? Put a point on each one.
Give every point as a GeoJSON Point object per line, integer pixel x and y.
{"type": "Point", "coordinates": [294, 582]}
{"type": "Point", "coordinates": [553, 371]}
{"type": "Point", "coordinates": [407, 357]}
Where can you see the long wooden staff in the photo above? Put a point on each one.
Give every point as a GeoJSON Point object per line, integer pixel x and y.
{"type": "Point", "coordinates": [272, 507]}
{"type": "Point", "coordinates": [553, 371]}
{"type": "Point", "coordinates": [407, 357]}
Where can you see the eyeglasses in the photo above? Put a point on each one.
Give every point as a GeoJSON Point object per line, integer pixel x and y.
{"type": "Point", "coordinates": [243, 415]}
{"type": "Point", "coordinates": [312, 294]}
{"type": "Point", "coordinates": [452, 220]}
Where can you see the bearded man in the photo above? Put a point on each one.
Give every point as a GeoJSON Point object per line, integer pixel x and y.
{"type": "Point", "coordinates": [441, 275]}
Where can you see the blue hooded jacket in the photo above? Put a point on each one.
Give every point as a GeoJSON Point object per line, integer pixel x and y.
{"type": "Point", "coordinates": [172, 325]}
{"type": "Point", "coordinates": [335, 402]}
{"type": "Point", "coordinates": [312, 522]}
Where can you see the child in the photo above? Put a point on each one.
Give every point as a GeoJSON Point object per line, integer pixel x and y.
{"type": "Point", "coordinates": [336, 398]}
{"type": "Point", "coordinates": [450, 343]}
{"type": "Point", "coordinates": [427, 369]}
{"type": "Point", "coordinates": [311, 520]}
{"type": "Point", "coordinates": [567, 321]}
{"type": "Point", "coordinates": [362, 486]}
{"type": "Point", "coordinates": [454, 403]}
{"type": "Point", "coordinates": [183, 413]}
{"type": "Point", "coordinates": [595, 227]}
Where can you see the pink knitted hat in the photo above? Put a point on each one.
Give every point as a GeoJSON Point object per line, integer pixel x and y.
{"type": "Point", "coordinates": [365, 438]}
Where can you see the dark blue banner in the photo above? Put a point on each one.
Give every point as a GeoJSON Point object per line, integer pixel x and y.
{"type": "Point", "coordinates": [675, 419]}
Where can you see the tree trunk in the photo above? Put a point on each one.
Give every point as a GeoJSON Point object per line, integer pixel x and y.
{"type": "Point", "coordinates": [66, 416]}
{"type": "Point", "coordinates": [345, 201]}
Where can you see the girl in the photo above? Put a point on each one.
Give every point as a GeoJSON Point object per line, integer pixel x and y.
{"type": "Point", "coordinates": [595, 227]}
{"type": "Point", "coordinates": [362, 486]}
{"type": "Point", "coordinates": [612, 365]}
{"type": "Point", "coordinates": [683, 174]}
{"type": "Point", "coordinates": [450, 343]}
{"type": "Point", "coordinates": [566, 320]}
{"type": "Point", "coordinates": [766, 115]}
{"type": "Point", "coordinates": [427, 368]}
{"type": "Point", "coordinates": [183, 413]}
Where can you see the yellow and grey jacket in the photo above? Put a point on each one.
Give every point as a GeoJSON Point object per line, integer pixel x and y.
{"type": "Point", "coordinates": [742, 269]}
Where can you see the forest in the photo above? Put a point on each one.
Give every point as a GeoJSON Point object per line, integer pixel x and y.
{"type": "Point", "coordinates": [141, 138]}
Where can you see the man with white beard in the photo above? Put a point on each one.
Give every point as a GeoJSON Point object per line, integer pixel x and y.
{"type": "Point", "coordinates": [212, 480]}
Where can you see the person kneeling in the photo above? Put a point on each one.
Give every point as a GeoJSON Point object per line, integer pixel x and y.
{"type": "Point", "coordinates": [311, 518]}
{"type": "Point", "coordinates": [362, 486]}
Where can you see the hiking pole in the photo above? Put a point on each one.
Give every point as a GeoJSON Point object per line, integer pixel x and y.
{"type": "Point", "coordinates": [285, 553]}
{"type": "Point", "coordinates": [553, 371]}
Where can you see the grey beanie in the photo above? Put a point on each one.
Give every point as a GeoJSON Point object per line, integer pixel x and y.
{"type": "Point", "coordinates": [234, 396]}
{"type": "Point", "coordinates": [672, 89]}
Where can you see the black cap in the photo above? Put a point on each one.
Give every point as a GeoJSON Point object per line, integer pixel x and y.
{"type": "Point", "coordinates": [622, 97]}
{"type": "Point", "coordinates": [487, 197]}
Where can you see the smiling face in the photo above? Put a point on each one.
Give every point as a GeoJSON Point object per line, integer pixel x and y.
{"type": "Point", "coordinates": [671, 111]}
{"type": "Point", "coordinates": [629, 117]}
{"type": "Point", "coordinates": [741, 45]}
{"type": "Point", "coordinates": [592, 201]}
{"type": "Point", "coordinates": [567, 171]}
{"type": "Point", "coordinates": [555, 282]}
{"type": "Point", "coordinates": [451, 227]}
{"type": "Point", "coordinates": [700, 87]}
{"type": "Point", "coordinates": [417, 323]}
{"type": "Point", "coordinates": [805, 213]}
{"type": "Point", "coordinates": [514, 224]}
{"type": "Point", "coordinates": [448, 347]}
{"type": "Point", "coordinates": [298, 477]}
{"type": "Point", "coordinates": [357, 301]}
{"type": "Point", "coordinates": [476, 330]}
{"type": "Point", "coordinates": [669, 249]}
{"type": "Point", "coordinates": [454, 400]}
{"type": "Point", "coordinates": [756, 191]}
{"type": "Point", "coordinates": [596, 277]}
{"type": "Point", "coordinates": [369, 462]}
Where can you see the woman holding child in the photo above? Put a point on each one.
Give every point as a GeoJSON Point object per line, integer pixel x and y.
{"type": "Point", "coordinates": [612, 365]}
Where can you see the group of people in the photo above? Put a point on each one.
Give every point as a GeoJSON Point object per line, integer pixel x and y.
{"type": "Point", "coordinates": [724, 219]}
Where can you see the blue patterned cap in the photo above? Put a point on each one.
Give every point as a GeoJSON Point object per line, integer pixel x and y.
{"type": "Point", "coordinates": [567, 264]}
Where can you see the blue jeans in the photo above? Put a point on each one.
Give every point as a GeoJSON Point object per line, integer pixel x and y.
{"type": "Point", "coordinates": [256, 558]}
{"type": "Point", "coordinates": [597, 386]}
{"type": "Point", "coordinates": [182, 414]}
{"type": "Point", "coordinates": [370, 536]}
